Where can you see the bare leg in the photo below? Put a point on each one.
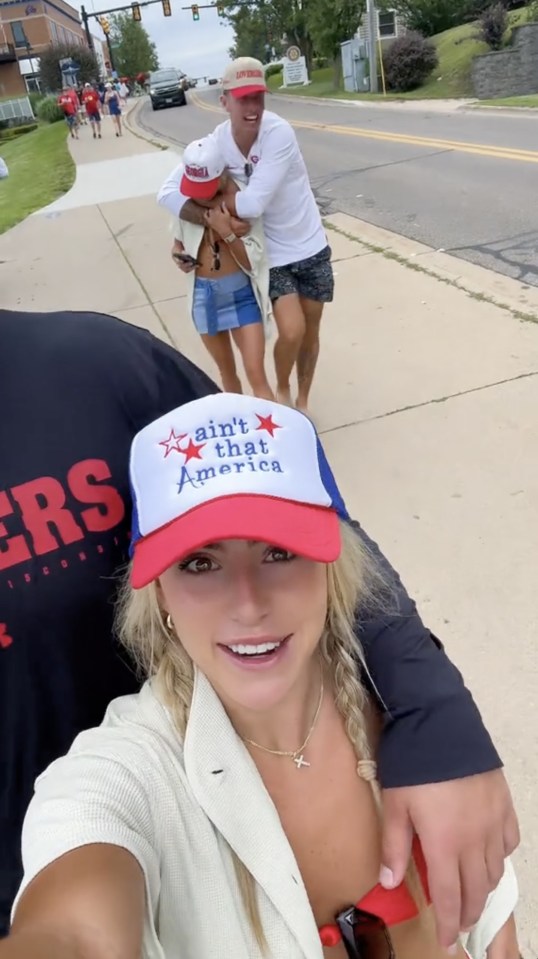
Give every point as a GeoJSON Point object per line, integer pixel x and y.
{"type": "Point", "coordinates": [308, 352]}
{"type": "Point", "coordinates": [220, 349]}
{"type": "Point", "coordinates": [250, 341]}
{"type": "Point", "coordinates": [505, 945]}
{"type": "Point", "coordinates": [290, 321]}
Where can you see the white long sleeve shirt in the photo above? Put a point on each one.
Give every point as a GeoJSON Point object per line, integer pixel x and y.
{"type": "Point", "coordinates": [278, 189]}
{"type": "Point", "coordinates": [178, 808]}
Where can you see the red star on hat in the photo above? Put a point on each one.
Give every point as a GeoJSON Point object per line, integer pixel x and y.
{"type": "Point", "coordinates": [172, 443]}
{"type": "Point", "coordinates": [5, 640]}
{"type": "Point", "coordinates": [266, 423]}
{"type": "Point", "coordinates": [192, 451]}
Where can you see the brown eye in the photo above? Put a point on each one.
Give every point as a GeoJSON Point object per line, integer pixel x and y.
{"type": "Point", "coordinates": [198, 564]}
{"type": "Point", "coordinates": [275, 554]}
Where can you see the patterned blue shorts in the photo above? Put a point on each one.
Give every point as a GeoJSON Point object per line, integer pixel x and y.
{"type": "Point", "coordinates": [224, 304]}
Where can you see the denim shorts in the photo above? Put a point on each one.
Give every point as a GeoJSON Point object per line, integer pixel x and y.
{"type": "Point", "coordinates": [226, 303]}
{"type": "Point", "coordinates": [312, 278]}
{"type": "Point", "coordinates": [94, 117]}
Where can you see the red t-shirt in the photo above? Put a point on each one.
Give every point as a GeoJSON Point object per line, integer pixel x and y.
{"type": "Point", "coordinates": [91, 101]}
{"type": "Point", "coordinates": [66, 102]}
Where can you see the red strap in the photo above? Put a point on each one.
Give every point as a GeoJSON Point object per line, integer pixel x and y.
{"type": "Point", "coordinates": [391, 905]}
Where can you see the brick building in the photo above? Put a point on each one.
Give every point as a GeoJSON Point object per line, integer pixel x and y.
{"type": "Point", "coordinates": [26, 27]}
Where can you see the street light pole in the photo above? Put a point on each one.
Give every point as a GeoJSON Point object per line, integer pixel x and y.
{"type": "Point", "coordinates": [372, 52]}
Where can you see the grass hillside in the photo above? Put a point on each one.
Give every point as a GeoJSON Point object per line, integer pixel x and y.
{"type": "Point", "coordinates": [457, 49]}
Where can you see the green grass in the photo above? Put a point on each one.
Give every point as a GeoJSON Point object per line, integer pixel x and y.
{"type": "Point", "coordinates": [457, 49]}
{"type": "Point", "coordinates": [40, 170]}
{"type": "Point", "coordinates": [528, 102]}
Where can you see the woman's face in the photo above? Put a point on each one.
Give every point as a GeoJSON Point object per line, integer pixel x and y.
{"type": "Point", "coordinates": [250, 616]}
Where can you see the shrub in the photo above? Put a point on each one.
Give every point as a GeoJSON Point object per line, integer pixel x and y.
{"type": "Point", "coordinates": [408, 61]}
{"type": "Point", "coordinates": [49, 111]}
{"type": "Point", "coordinates": [35, 99]}
{"type": "Point", "coordinates": [273, 69]}
{"type": "Point", "coordinates": [493, 24]}
{"type": "Point", "coordinates": [13, 132]}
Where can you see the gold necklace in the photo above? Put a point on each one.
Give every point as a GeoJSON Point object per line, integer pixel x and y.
{"type": "Point", "coordinates": [297, 754]}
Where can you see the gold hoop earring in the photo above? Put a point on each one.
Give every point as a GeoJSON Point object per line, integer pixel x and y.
{"type": "Point", "coordinates": [169, 624]}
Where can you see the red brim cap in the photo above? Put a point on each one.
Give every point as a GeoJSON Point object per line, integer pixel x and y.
{"type": "Point", "coordinates": [199, 189]}
{"type": "Point", "coordinates": [248, 91]}
{"type": "Point", "coordinates": [309, 531]}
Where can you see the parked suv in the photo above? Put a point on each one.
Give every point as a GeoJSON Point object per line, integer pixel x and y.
{"type": "Point", "coordinates": [166, 89]}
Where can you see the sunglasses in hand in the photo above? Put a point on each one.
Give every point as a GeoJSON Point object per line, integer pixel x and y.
{"type": "Point", "coordinates": [364, 935]}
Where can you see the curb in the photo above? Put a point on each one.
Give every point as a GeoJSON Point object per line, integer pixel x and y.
{"type": "Point", "coordinates": [466, 104]}
{"type": "Point", "coordinates": [479, 283]}
{"type": "Point", "coordinates": [161, 143]}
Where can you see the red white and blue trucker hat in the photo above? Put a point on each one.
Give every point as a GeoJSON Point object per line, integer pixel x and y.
{"type": "Point", "coordinates": [203, 167]}
{"type": "Point", "coordinates": [230, 467]}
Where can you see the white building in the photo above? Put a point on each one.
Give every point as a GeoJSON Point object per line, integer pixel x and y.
{"type": "Point", "coordinates": [390, 26]}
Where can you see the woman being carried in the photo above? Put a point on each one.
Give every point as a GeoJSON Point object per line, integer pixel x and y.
{"type": "Point", "coordinates": [230, 810]}
{"type": "Point", "coordinates": [228, 293]}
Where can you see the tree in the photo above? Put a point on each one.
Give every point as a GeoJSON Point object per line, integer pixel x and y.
{"type": "Point", "coordinates": [50, 75]}
{"type": "Point", "coordinates": [133, 50]}
{"type": "Point", "coordinates": [493, 24]}
{"type": "Point", "coordinates": [429, 17]}
{"type": "Point", "coordinates": [279, 23]}
{"type": "Point", "coordinates": [330, 23]}
{"type": "Point", "coordinates": [255, 31]}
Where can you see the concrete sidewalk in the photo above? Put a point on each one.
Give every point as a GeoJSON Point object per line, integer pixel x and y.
{"type": "Point", "coordinates": [427, 392]}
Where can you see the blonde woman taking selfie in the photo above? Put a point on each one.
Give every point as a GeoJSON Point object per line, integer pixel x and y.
{"type": "Point", "coordinates": [230, 810]}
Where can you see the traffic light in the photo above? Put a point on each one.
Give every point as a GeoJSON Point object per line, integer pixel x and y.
{"type": "Point", "coordinates": [105, 25]}
{"type": "Point", "coordinates": [195, 12]}
{"type": "Point", "coordinates": [137, 13]}
{"type": "Point", "coordinates": [167, 10]}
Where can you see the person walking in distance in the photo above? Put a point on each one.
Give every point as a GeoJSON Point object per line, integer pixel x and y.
{"type": "Point", "coordinates": [260, 149]}
{"type": "Point", "coordinates": [91, 101]}
{"type": "Point", "coordinates": [66, 103]}
{"type": "Point", "coordinates": [112, 100]}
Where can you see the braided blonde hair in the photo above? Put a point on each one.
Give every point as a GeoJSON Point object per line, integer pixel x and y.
{"type": "Point", "coordinates": [355, 583]}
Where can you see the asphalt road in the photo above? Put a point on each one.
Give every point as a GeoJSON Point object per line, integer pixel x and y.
{"type": "Point", "coordinates": [464, 181]}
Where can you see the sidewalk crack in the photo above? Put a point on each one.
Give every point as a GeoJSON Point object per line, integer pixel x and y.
{"type": "Point", "coordinates": [137, 278]}
{"type": "Point", "coordinates": [432, 402]}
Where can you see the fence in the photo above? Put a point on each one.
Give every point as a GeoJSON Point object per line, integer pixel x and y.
{"type": "Point", "coordinates": [20, 109]}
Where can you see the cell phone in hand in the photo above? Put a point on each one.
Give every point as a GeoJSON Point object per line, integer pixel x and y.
{"type": "Point", "coordinates": [185, 258]}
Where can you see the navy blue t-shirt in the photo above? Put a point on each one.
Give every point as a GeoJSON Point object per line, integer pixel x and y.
{"type": "Point", "coordinates": [74, 390]}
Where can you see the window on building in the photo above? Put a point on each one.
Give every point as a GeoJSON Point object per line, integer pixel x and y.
{"type": "Point", "coordinates": [32, 84]}
{"type": "Point", "coordinates": [19, 36]}
{"type": "Point", "coordinates": [387, 23]}
{"type": "Point", "coordinates": [53, 31]}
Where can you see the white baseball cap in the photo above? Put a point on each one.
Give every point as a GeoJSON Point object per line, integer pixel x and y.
{"type": "Point", "coordinates": [203, 167]}
{"type": "Point", "coordinates": [229, 466]}
{"type": "Point", "coordinates": [243, 77]}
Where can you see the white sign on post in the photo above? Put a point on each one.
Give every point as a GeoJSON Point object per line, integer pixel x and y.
{"type": "Point", "coordinates": [295, 71]}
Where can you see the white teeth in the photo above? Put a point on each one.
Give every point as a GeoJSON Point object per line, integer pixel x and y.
{"type": "Point", "coordinates": [254, 650]}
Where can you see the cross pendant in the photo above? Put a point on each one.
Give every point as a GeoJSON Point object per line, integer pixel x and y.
{"type": "Point", "coordinates": [300, 761]}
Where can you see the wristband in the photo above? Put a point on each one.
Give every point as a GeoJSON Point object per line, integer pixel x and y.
{"type": "Point", "coordinates": [231, 238]}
